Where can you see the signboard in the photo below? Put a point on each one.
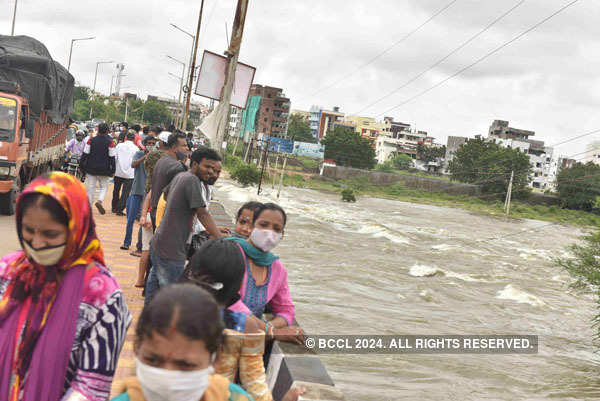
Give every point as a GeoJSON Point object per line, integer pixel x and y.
{"type": "Point", "coordinates": [281, 145]}
{"type": "Point", "coordinates": [212, 77]}
{"type": "Point", "coordinates": [309, 150]}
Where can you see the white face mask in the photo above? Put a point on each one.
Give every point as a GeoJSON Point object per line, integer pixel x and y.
{"type": "Point", "coordinates": [265, 240]}
{"type": "Point", "coordinates": [48, 256]}
{"type": "Point", "coordinates": [172, 385]}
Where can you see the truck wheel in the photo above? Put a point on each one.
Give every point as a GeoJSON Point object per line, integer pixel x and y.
{"type": "Point", "coordinates": [8, 202]}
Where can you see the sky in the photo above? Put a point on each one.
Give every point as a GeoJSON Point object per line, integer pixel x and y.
{"type": "Point", "coordinates": [351, 53]}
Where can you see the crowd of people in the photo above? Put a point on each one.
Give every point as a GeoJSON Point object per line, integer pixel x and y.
{"type": "Point", "coordinates": [213, 298]}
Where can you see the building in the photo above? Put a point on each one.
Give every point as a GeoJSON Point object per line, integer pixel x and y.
{"type": "Point", "coordinates": [454, 142]}
{"type": "Point", "coordinates": [273, 114]}
{"type": "Point", "coordinates": [323, 121]}
{"type": "Point", "coordinates": [540, 156]}
{"type": "Point", "coordinates": [592, 153]}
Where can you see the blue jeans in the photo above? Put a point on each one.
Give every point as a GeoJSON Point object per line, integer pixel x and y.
{"type": "Point", "coordinates": [163, 272]}
{"type": "Point", "coordinates": [134, 203]}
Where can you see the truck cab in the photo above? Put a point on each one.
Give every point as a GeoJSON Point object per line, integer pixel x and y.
{"type": "Point", "coordinates": [15, 132]}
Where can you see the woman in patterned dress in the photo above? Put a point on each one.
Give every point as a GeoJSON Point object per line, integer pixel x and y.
{"type": "Point", "coordinates": [63, 318]}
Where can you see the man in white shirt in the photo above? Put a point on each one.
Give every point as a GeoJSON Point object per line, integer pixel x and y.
{"type": "Point", "coordinates": [124, 173]}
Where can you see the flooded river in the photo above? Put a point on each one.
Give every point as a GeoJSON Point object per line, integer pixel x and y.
{"type": "Point", "coordinates": [388, 267]}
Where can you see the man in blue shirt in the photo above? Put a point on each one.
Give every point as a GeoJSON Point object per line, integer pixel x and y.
{"type": "Point", "coordinates": [134, 202]}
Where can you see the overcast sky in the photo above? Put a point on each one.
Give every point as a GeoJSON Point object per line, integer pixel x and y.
{"type": "Point", "coordinates": [546, 81]}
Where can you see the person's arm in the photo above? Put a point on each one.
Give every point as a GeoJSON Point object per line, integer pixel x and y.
{"type": "Point", "coordinates": [144, 222]}
{"type": "Point", "coordinates": [112, 153]}
{"type": "Point", "coordinates": [208, 222]}
{"type": "Point", "coordinates": [137, 162]}
{"type": "Point", "coordinates": [282, 304]}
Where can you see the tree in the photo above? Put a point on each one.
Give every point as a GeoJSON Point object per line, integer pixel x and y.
{"type": "Point", "coordinates": [348, 148]}
{"type": "Point", "coordinates": [156, 113]}
{"type": "Point", "coordinates": [584, 266]}
{"type": "Point", "coordinates": [579, 186]}
{"type": "Point", "coordinates": [402, 162]}
{"type": "Point", "coordinates": [81, 110]}
{"type": "Point", "coordinates": [430, 153]}
{"type": "Point", "coordinates": [81, 93]}
{"type": "Point", "coordinates": [299, 129]}
{"type": "Point", "coordinates": [489, 164]}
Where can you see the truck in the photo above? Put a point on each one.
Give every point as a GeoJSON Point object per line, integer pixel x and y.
{"type": "Point", "coordinates": [36, 99]}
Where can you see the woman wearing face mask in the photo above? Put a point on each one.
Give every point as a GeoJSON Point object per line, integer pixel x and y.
{"type": "Point", "coordinates": [265, 278]}
{"type": "Point", "coordinates": [176, 340]}
{"type": "Point", "coordinates": [63, 318]}
{"type": "Point", "coordinates": [218, 267]}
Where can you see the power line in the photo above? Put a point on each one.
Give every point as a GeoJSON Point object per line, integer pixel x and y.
{"type": "Point", "coordinates": [376, 57]}
{"type": "Point", "coordinates": [481, 59]}
{"type": "Point", "coordinates": [440, 61]}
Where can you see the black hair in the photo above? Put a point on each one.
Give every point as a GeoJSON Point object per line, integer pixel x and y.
{"type": "Point", "coordinates": [125, 124]}
{"type": "Point", "coordinates": [205, 153]}
{"type": "Point", "coordinates": [252, 206]}
{"type": "Point", "coordinates": [136, 127]}
{"type": "Point", "coordinates": [172, 128]}
{"type": "Point", "coordinates": [145, 130]}
{"type": "Point", "coordinates": [130, 135]}
{"type": "Point", "coordinates": [269, 206]}
{"type": "Point", "coordinates": [149, 138]}
{"type": "Point", "coordinates": [156, 129]}
{"type": "Point", "coordinates": [218, 267]}
{"type": "Point", "coordinates": [103, 129]}
{"type": "Point", "coordinates": [185, 308]}
{"type": "Point", "coordinates": [174, 140]}
{"type": "Point", "coordinates": [58, 213]}
{"type": "Point", "coordinates": [190, 135]}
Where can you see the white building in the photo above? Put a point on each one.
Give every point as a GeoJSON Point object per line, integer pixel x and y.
{"type": "Point", "coordinates": [592, 153]}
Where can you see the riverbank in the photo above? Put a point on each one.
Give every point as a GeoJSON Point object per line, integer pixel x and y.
{"type": "Point", "coordinates": [482, 205]}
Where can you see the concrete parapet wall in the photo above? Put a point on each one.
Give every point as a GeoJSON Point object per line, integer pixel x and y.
{"type": "Point", "coordinates": [411, 181]}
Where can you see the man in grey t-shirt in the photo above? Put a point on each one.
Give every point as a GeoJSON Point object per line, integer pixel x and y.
{"type": "Point", "coordinates": [187, 197]}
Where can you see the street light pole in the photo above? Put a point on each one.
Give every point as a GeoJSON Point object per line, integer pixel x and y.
{"type": "Point", "coordinates": [94, 89]}
{"type": "Point", "coordinates": [193, 67]}
{"type": "Point", "coordinates": [191, 55]}
{"type": "Point", "coordinates": [179, 111]}
{"type": "Point", "coordinates": [179, 120]}
{"type": "Point", "coordinates": [12, 31]}
{"type": "Point", "coordinates": [71, 52]}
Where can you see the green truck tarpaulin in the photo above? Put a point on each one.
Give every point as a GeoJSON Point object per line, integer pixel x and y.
{"type": "Point", "coordinates": [249, 116]}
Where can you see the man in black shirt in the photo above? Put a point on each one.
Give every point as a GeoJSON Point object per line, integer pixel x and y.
{"type": "Point", "coordinates": [98, 162]}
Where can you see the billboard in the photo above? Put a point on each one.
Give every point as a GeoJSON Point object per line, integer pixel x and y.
{"type": "Point", "coordinates": [280, 145]}
{"type": "Point", "coordinates": [309, 150]}
{"type": "Point", "coordinates": [212, 77]}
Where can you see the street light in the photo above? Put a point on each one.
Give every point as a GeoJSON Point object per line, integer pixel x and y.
{"type": "Point", "coordinates": [71, 52]}
{"type": "Point", "coordinates": [94, 89]}
{"type": "Point", "coordinates": [180, 90]}
{"type": "Point", "coordinates": [12, 31]}
{"type": "Point", "coordinates": [191, 53]}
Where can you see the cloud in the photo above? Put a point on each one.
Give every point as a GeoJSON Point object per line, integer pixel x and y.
{"type": "Point", "coordinates": [546, 81]}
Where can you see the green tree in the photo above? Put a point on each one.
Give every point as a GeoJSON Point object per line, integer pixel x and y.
{"type": "Point", "coordinates": [81, 93]}
{"type": "Point", "coordinates": [81, 110]}
{"type": "Point", "coordinates": [156, 113]}
{"type": "Point", "coordinates": [402, 162]}
{"type": "Point", "coordinates": [489, 165]}
{"type": "Point", "coordinates": [583, 264]}
{"type": "Point", "coordinates": [348, 148]}
{"type": "Point", "coordinates": [299, 129]}
{"type": "Point", "coordinates": [430, 153]}
{"type": "Point", "coordinates": [579, 186]}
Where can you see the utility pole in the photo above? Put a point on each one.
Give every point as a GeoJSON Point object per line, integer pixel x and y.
{"type": "Point", "coordinates": [192, 69]}
{"type": "Point", "coordinates": [266, 155]}
{"type": "Point", "coordinates": [126, 108]}
{"type": "Point", "coordinates": [12, 31]}
{"type": "Point", "coordinates": [248, 149]}
{"type": "Point", "coordinates": [232, 58]}
{"type": "Point", "coordinates": [94, 89]}
{"type": "Point", "coordinates": [509, 193]}
{"type": "Point", "coordinates": [282, 173]}
{"type": "Point", "coordinates": [71, 51]}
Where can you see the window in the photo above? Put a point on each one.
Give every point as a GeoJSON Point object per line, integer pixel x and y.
{"type": "Point", "coordinates": [267, 109]}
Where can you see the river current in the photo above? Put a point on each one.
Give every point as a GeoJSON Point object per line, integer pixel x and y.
{"type": "Point", "coordinates": [388, 267]}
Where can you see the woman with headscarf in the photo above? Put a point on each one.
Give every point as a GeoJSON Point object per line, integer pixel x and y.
{"type": "Point", "coordinates": [63, 316]}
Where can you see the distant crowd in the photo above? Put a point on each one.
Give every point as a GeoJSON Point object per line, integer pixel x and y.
{"type": "Point", "coordinates": [214, 296]}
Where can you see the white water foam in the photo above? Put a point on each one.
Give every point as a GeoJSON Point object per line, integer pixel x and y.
{"type": "Point", "coordinates": [514, 294]}
{"type": "Point", "coordinates": [443, 247]}
{"type": "Point", "coordinates": [430, 271]}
